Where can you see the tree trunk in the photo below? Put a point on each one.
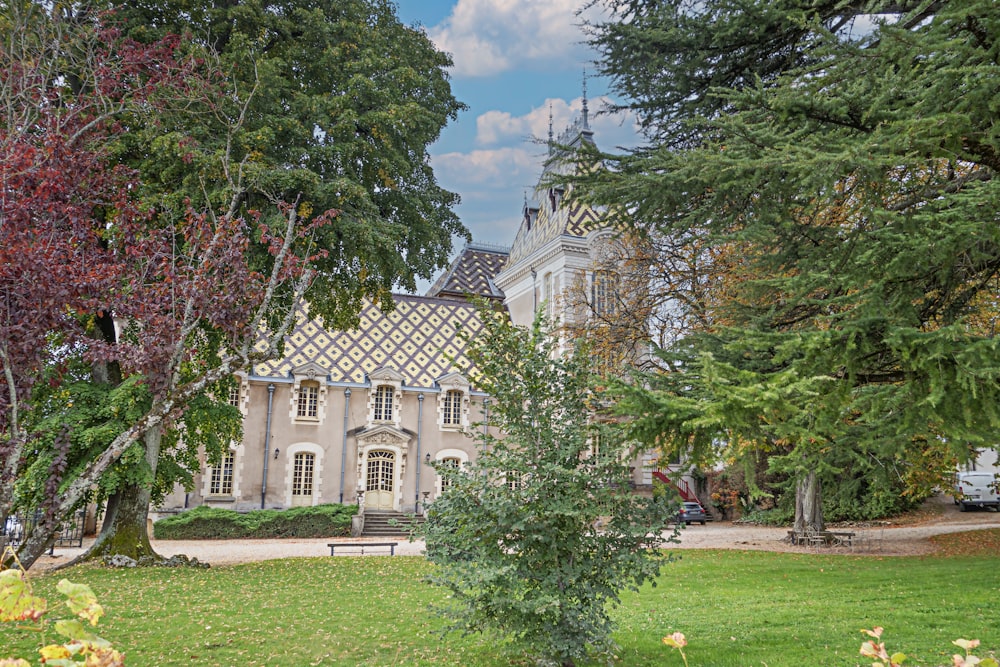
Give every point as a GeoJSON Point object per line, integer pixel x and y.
{"type": "Point", "coordinates": [124, 529]}
{"type": "Point", "coordinates": [808, 504]}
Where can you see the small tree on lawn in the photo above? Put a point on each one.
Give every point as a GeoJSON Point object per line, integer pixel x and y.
{"type": "Point", "coordinates": [538, 535]}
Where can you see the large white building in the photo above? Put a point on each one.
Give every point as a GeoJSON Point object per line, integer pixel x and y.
{"type": "Point", "coordinates": [357, 416]}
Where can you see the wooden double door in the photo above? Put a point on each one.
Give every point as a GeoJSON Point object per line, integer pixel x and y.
{"type": "Point", "coordinates": [380, 480]}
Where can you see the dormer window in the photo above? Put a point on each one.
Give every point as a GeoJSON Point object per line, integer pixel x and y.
{"type": "Point", "coordinates": [453, 402]}
{"type": "Point", "coordinates": [530, 216]}
{"type": "Point", "coordinates": [555, 198]}
{"type": "Point", "coordinates": [308, 398]}
{"type": "Point", "coordinates": [237, 393]}
{"type": "Point", "coordinates": [383, 403]}
{"type": "Point", "coordinates": [308, 404]}
{"type": "Point", "coordinates": [452, 408]}
{"type": "Point", "coordinates": [385, 396]}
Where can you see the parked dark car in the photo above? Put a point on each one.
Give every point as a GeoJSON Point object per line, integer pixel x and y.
{"type": "Point", "coordinates": [691, 512]}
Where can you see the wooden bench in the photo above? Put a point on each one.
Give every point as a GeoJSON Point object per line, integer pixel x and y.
{"type": "Point", "coordinates": [361, 545]}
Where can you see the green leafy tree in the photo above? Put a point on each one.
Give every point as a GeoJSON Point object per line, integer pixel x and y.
{"type": "Point", "coordinates": [538, 537]}
{"type": "Point", "coordinates": [330, 106]}
{"type": "Point", "coordinates": [849, 152]}
{"type": "Point", "coordinates": [338, 102]}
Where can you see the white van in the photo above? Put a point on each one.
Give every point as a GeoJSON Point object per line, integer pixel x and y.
{"type": "Point", "coordinates": [976, 489]}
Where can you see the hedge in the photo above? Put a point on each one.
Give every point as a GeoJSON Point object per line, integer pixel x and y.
{"type": "Point", "coordinates": [213, 523]}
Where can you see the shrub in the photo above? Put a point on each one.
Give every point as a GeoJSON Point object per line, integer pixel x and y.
{"type": "Point", "coordinates": [536, 539]}
{"type": "Point", "coordinates": [213, 523]}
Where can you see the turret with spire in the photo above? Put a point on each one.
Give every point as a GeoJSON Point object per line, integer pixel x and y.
{"type": "Point", "coordinates": [579, 130]}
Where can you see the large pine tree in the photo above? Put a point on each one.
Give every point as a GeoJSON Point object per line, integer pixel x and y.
{"type": "Point", "coordinates": [847, 154]}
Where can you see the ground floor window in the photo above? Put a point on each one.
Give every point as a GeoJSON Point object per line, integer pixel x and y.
{"type": "Point", "coordinates": [303, 468]}
{"type": "Point", "coordinates": [449, 462]}
{"type": "Point", "coordinates": [221, 482]}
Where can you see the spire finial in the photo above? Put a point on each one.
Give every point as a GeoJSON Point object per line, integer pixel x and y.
{"type": "Point", "coordinates": [586, 111]}
{"type": "Point", "coordinates": [551, 138]}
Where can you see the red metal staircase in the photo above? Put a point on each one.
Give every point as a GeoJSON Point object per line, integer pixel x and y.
{"type": "Point", "coordinates": [682, 488]}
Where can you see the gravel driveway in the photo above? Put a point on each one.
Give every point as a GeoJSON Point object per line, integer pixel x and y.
{"type": "Point", "coordinates": [886, 538]}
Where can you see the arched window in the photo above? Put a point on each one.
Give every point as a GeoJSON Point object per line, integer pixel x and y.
{"type": "Point", "coordinates": [449, 462]}
{"type": "Point", "coordinates": [303, 470]}
{"type": "Point", "coordinates": [383, 403]}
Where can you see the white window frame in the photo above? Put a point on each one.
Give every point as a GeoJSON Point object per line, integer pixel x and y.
{"type": "Point", "coordinates": [460, 455]}
{"type": "Point", "coordinates": [384, 403]}
{"type": "Point", "coordinates": [237, 451]}
{"type": "Point", "coordinates": [220, 482]}
{"type": "Point", "coordinates": [453, 387]}
{"type": "Point", "coordinates": [308, 377]}
{"type": "Point", "coordinates": [299, 478]}
{"type": "Point", "coordinates": [451, 408]}
{"type": "Point", "coordinates": [304, 448]}
{"type": "Point", "coordinates": [307, 403]}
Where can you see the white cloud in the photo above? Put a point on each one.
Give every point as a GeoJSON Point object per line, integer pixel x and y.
{"type": "Point", "coordinates": [486, 37]}
{"type": "Point", "coordinates": [497, 169]}
{"type": "Point", "coordinates": [500, 127]}
{"type": "Point", "coordinates": [494, 178]}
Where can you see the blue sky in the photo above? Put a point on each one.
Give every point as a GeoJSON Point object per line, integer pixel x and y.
{"type": "Point", "coordinates": [513, 58]}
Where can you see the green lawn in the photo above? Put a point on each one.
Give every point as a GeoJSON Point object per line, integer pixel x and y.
{"type": "Point", "coordinates": [736, 608]}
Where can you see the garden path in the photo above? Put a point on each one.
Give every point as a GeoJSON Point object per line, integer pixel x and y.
{"type": "Point", "coordinates": [909, 537]}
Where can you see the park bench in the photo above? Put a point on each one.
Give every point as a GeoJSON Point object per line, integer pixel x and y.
{"type": "Point", "coordinates": [829, 538]}
{"type": "Point", "coordinates": [362, 545]}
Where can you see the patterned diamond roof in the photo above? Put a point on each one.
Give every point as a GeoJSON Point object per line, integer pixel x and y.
{"type": "Point", "coordinates": [419, 338]}
{"type": "Point", "coordinates": [572, 220]}
{"type": "Point", "coordinates": [547, 218]}
{"type": "Point", "coordinates": [472, 272]}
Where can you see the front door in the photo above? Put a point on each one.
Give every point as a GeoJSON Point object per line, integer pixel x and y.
{"type": "Point", "coordinates": [381, 480]}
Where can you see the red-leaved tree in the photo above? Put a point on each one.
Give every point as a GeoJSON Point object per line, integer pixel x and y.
{"type": "Point", "coordinates": [77, 248]}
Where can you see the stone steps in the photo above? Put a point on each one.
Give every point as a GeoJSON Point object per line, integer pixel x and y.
{"type": "Point", "coordinates": [388, 524]}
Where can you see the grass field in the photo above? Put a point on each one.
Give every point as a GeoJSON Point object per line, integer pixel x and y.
{"type": "Point", "coordinates": [736, 609]}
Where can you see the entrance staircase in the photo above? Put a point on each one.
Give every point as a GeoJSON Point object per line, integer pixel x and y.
{"type": "Point", "coordinates": [381, 523]}
{"type": "Point", "coordinates": [682, 488]}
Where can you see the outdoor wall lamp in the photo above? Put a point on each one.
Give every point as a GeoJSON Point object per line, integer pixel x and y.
{"type": "Point", "coordinates": [427, 459]}
{"type": "Point", "coordinates": [276, 450]}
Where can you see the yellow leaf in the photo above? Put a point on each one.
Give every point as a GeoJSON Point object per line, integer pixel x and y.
{"type": "Point", "coordinates": [105, 657]}
{"type": "Point", "coordinates": [54, 652]}
{"type": "Point", "coordinates": [81, 600]}
{"type": "Point", "coordinates": [16, 601]}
